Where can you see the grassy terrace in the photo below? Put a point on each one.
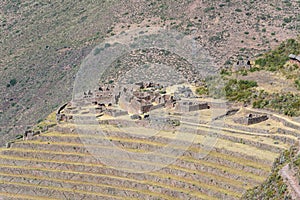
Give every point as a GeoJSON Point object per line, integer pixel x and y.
{"type": "Point", "coordinates": [59, 162]}
{"type": "Point", "coordinates": [192, 149]}
{"type": "Point", "coordinates": [92, 162]}
{"type": "Point", "coordinates": [57, 173]}
{"type": "Point", "coordinates": [69, 190]}
{"type": "Point", "coordinates": [23, 196]}
{"type": "Point", "coordinates": [73, 184]}
{"type": "Point", "coordinates": [155, 174]}
{"type": "Point", "coordinates": [161, 175]}
{"type": "Point", "coordinates": [28, 155]}
{"type": "Point", "coordinates": [74, 138]}
{"type": "Point", "coordinates": [147, 183]}
{"type": "Point", "coordinates": [61, 147]}
{"type": "Point", "coordinates": [224, 140]}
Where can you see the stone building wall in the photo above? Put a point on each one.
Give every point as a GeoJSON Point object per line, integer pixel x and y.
{"type": "Point", "coordinates": [255, 120]}
{"type": "Point", "coordinates": [251, 119]}
{"type": "Point", "coordinates": [115, 112]}
{"type": "Point", "coordinates": [158, 106]}
{"type": "Point", "coordinates": [190, 106]}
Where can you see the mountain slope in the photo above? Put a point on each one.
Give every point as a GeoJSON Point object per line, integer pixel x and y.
{"type": "Point", "coordinates": [43, 43]}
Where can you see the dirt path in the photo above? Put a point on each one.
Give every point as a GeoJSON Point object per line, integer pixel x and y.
{"type": "Point", "coordinates": [290, 179]}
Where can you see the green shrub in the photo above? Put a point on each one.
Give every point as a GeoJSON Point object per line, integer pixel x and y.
{"type": "Point", "coordinates": [107, 45]}
{"type": "Point", "coordinates": [97, 51]}
{"type": "Point", "coordinates": [225, 72]}
{"type": "Point", "coordinates": [209, 9]}
{"type": "Point", "coordinates": [228, 62]}
{"type": "Point", "coordinates": [275, 60]}
{"type": "Point", "coordinates": [287, 104]}
{"type": "Point", "coordinates": [215, 38]}
{"type": "Point", "coordinates": [287, 20]}
{"type": "Point", "coordinates": [297, 83]}
{"type": "Point", "coordinates": [253, 69]}
{"type": "Point", "coordinates": [243, 72]}
{"type": "Point", "coordinates": [13, 82]}
{"type": "Point", "coordinates": [202, 90]}
{"type": "Point", "coordinates": [19, 136]}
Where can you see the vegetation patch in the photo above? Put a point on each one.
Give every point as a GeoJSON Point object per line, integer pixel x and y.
{"type": "Point", "coordinates": [276, 59]}
{"type": "Point", "coordinates": [240, 90]}
{"type": "Point", "coordinates": [287, 104]}
{"type": "Point", "coordinates": [274, 187]}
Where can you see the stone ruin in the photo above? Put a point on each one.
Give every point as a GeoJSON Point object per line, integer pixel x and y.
{"type": "Point", "coordinates": [242, 65]}
{"type": "Point", "coordinates": [228, 113]}
{"type": "Point", "coordinates": [116, 112]}
{"type": "Point", "coordinates": [28, 134]}
{"type": "Point", "coordinates": [61, 115]}
{"type": "Point", "coordinates": [142, 98]}
{"type": "Point", "coordinates": [185, 92]}
{"type": "Point", "coordinates": [189, 106]}
{"type": "Point", "coordinates": [294, 57]}
{"type": "Point", "coordinates": [137, 99]}
{"type": "Point", "coordinates": [252, 119]}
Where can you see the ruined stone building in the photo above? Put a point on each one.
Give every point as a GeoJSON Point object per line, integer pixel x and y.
{"type": "Point", "coordinates": [252, 119]}
{"type": "Point", "coordinates": [189, 106]}
{"type": "Point", "coordinates": [64, 112]}
{"type": "Point", "coordinates": [242, 65]}
{"type": "Point", "coordinates": [139, 98]}
{"type": "Point", "coordinates": [143, 99]}
{"type": "Point", "coordinates": [116, 112]}
{"type": "Point", "coordinates": [294, 59]}
{"type": "Point", "coordinates": [185, 92]}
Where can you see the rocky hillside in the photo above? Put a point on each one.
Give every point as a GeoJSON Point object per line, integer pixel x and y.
{"type": "Point", "coordinates": [43, 43]}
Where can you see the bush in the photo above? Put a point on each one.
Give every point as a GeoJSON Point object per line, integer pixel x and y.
{"type": "Point", "coordinates": [215, 38]}
{"type": "Point", "coordinates": [19, 136]}
{"type": "Point", "coordinates": [209, 9]}
{"type": "Point", "coordinates": [287, 20]}
{"type": "Point", "coordinates": [244, 72]}
{"type": "Point", "coordinates": [228, 62]}
{"type": "Point", "coordinates": [202, 90]}
{"type": "Point", "coordinates": [253, 69]}
{"type": "Point", "coordinates": [225, 72]}
{"type": "Point", "coordinates": [97, 51]}
{"type": "Point", "coordinates": [12, 82]}
{"type": "Point", "coordinates": [107, 45]}
{"type": "Point", "coordinates": [297, 83]}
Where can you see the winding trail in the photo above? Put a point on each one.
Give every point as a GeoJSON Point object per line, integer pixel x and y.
{"type": "Point", "coordinates": [290, 179]}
